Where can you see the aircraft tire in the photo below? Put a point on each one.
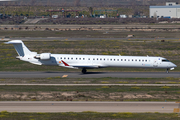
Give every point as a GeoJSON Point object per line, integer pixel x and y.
{"type": "Point", "coordinates": [84, 71]}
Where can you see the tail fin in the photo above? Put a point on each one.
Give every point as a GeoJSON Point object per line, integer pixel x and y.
{"type": "Point", "coordinates": [21, 49]}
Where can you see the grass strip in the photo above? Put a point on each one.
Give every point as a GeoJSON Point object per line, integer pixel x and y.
{"type": "Point", "coordinates": [90, 34]}
{"type": "Point", "coordinates": [104, 89]}
{"type": "Point", "coordinates": [103, 80]}
{"type": "Point", "coordinates": [87, 115]}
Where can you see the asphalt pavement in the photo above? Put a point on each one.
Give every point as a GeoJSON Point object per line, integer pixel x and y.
{"type": "Point", "coordinates": [80, 106]}
{"type": "Point", "coordinates": [38, 74]}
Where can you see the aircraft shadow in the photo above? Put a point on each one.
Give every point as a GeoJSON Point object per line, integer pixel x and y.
{"type": "Point", "coordinates": [79, 72]}
{"type": "Point", "coordinates": [54, 72]}
{"type": "Point", "coordinates": [87, 73]}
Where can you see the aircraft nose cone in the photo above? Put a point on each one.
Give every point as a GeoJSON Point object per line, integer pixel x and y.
{"type": "Point", "coordinates": [173, 65]}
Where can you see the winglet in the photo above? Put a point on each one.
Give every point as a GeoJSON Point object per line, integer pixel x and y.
{"type": "Point", "coordinates": [65, 63]}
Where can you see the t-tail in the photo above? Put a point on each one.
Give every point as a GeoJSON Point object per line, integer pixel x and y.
{"type": "Point", "coordinates": [24, 53]}
{"type": "Point", "coordinates": [21, 49]}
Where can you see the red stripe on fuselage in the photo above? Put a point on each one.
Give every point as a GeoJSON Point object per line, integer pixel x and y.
{"type": "Point", "coordinates": [64, 63]}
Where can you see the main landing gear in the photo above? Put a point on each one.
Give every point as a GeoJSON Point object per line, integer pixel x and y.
{"type": "Point", "coordinates": [84, 71]}
{"type": "Point", "coordinates": [167, 70]}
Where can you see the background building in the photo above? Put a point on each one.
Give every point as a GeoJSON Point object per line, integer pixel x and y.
{"type": "Point", "coordinates": [171, 10]}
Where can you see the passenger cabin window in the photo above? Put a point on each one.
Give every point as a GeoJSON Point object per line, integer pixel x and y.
{"type": "Point", "coordinates": [165, 60]}
{"type": "Point", "coordinates": [121, 59]}
{"type": "Point", "coordinates": [71, 58]}
{"type": "Point", "coordinates": [114, 59]}
{"type": "Point", "coordinates": [79, 58]}
{"type": "Point", "coordinates": [61, 57]}
{"type": "Point", "coordinates": [68, 58]}
{"type": "Point", "coordinates": [132, 59]}
{"type": "Point", "coordinates": [76, 58]}
{"type": "Point", "coordinates": [104, 59]}
{"type": "Point", "coordinates": [88, 58]}
{"type": "Point", "coordinates": [124, 59]}
{"type": "Point", "coordinates": [83, 58]}
{"type": "Point", "coordinates": [117, 59]}
{"type": "Point", "coordinates": [64, 58]}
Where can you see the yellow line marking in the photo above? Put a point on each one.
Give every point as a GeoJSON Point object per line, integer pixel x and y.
{"type": "Point", "coordinates": [64, 76]}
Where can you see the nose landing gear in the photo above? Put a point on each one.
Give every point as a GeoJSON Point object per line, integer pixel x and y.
{"type": "Point", "coordinates": [167, 70]}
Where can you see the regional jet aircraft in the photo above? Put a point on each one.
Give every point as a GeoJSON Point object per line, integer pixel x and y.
{"type": "Point", "coordinates": [89, 61]}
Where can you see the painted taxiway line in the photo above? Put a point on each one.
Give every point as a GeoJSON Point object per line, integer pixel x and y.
{"type": "Point", "coordinates": [155, 85]}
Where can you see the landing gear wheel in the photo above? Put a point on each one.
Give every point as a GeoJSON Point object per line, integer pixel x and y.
{"type": "Point", "coordinates": [167, 71]}
{"type": "Point", "coordinates": [84, 71]}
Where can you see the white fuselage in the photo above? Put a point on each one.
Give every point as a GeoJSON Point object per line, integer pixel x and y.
{"type": "Point", "coordinates": [101, 61]}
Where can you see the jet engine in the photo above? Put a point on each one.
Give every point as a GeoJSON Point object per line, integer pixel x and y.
{"type": "Point", "coordinates": [43, 56]}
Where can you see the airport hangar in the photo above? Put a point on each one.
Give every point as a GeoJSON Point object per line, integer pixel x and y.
{"type": "Point", "coordinates": [171, 10]}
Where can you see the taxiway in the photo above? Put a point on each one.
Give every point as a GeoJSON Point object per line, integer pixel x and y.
{"type": "Point", "coordinates": [38, 74]}
{"type": "Point", "coordinates": [71, 106]}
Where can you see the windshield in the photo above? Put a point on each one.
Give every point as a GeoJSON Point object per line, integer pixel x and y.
{"type": "Point", "coordinates": [165, 60]}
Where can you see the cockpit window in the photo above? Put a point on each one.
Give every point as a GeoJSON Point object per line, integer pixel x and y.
{"type": "Point", "coordinates": [165, 60]}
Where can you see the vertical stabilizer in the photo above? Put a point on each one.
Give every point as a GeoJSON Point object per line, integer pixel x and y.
{"type": "Point", "coordinates": [21, 49]}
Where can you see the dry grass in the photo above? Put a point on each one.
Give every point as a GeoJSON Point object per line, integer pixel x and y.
{"type": "Point", "coordinates": [90, 93]}
{"type": "Point", "coordinates": [86, 115]}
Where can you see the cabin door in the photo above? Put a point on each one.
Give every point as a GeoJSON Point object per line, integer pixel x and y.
{"type": "Point", "coordinates": [155, 64]}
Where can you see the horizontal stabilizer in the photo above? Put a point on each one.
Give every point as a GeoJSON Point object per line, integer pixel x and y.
{"type": "Point", "coordinates": [13, 42]}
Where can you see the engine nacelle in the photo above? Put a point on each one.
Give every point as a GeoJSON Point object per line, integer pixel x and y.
{"type": "Point", "coordinates": [43, 56]}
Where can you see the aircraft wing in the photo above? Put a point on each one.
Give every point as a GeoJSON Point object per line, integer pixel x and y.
{"type": "Point", "coordinates": [81, 66]}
